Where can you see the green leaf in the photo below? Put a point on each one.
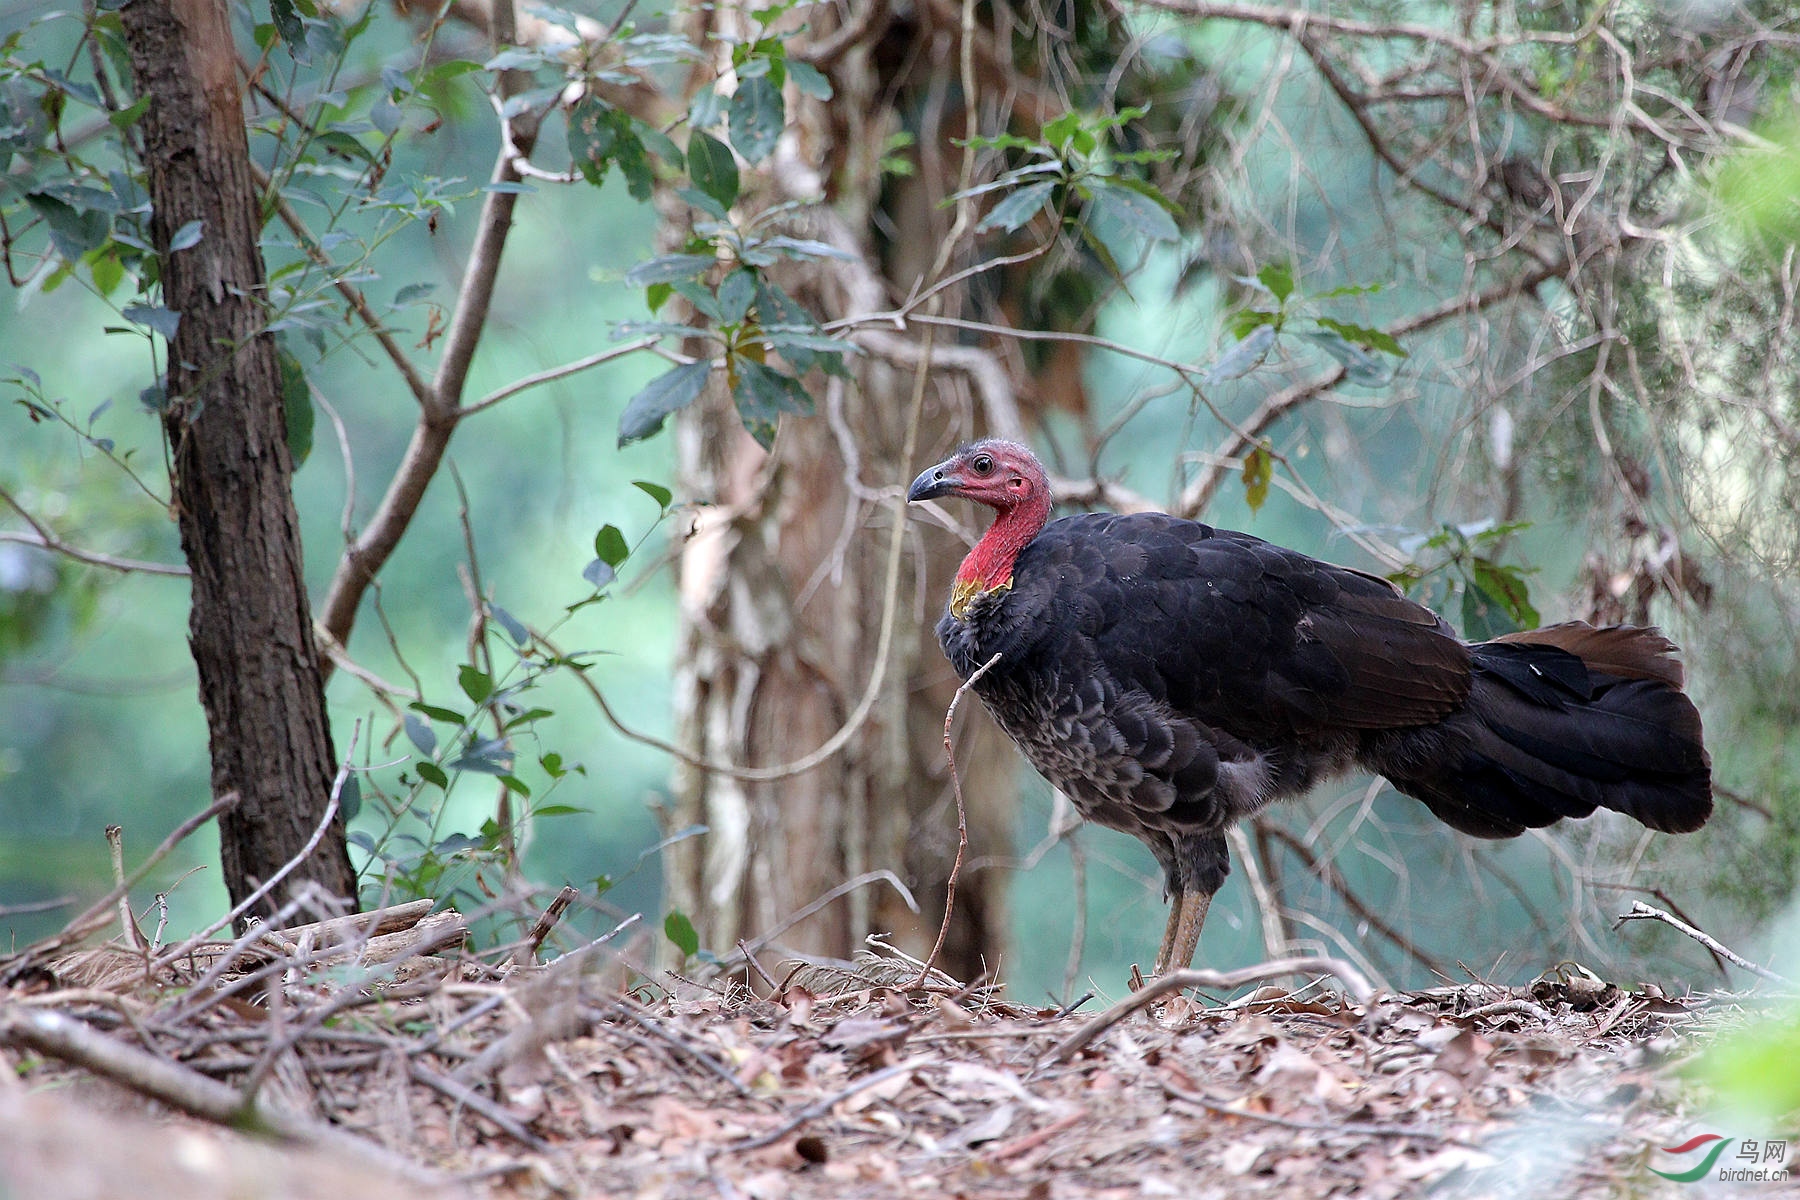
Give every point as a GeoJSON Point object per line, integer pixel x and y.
{"type": "Point", "coordinates": [557, 810]}
{"type": "Point", "coordinates": [1135, 211]}
{"type": "Point", "coordinates": [350, 797]}
{"type": "Point", "coordinates": [1241, 358]}
{"type": "Point", "coordinates": [1240, 323]}
{"type": "Point", "coordinates": [681, 931]}
{"type": "Point", "coordinates": [656, 491]}
{"type": "Point", "coordinates": [1279, 279]}
{"type": "Point", "coordinates": [1377, 339]}
{"type": "Point", "coordinates": [153, 317]}
{"type": "Point", "coordinates": [187, 237]}
{"type": "Point", "coordinates": [593, 135]}
{"type": "Point", "coordinates": [736, 293]}
{"type": "Point", "coordinates": [667, 393]}
{"type": "Point", "coordinates": [289, 25]}
{"type": "Point", "coordinates": [125, 118]}
{"type": "Point", "coordinates": [527, 717]}
{"type": "Point", "coordinates": [477, 685]}
{"type": "Point", "coordinates": [666, 268]}
{"type": "Point", "coordinates": [657, 142]}
{"type": "Point", "coordinates": [420, 734]}
{"type": "Point", "coordinates": [713, 169]}
{"type": "Point", "coordinates": [514, 630]}
{"type": "Point", "coordinates": [73, 232]}
{"type": "Point", "coordinates": [610, 546]}
{"type": "Point", "coordinates": [757, 117]}
{"type": "Point", "coordinates": [515, 59]}
{"type": "Point", "coordinates": [1482, 618]}
{"type": "Point", "coordinates": [513, 783]}
{"type": "Point", "coordinates": [762, 394]}
{"type": "Point", "coordinates": [296, 406]}
{"type": "Point", "coordinates": [1360, 367]}
{"type": "Point", "coordinates": [432, 773]}
{"type": "Point", "coordinates": [657, 295]}
{"type": "Point", "coordinates": [1060, 131]}
{"type": "Point", "coordinates": [447, 715]}
{"type": "Point", "coordinates": [1349, 289]}
{"type": "Point", "coordinates": [1018, 207]}
{"type": "Point", "coordinates": [1258, 470]}
{"type": "Point", "coordinates": [1506, 587]}
{"type": "Point", "coordinates": [809, 79]}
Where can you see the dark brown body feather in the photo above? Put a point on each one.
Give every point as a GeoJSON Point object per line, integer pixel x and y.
{"type": "Point", "coordinates": [1172, 678]}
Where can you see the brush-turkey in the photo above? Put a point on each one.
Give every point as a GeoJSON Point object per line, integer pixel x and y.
{"type": "Point", "coordinates": [1172, 678]}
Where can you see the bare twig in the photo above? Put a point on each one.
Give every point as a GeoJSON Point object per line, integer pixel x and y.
{"type": "Point", "coordinates": [478, 1104]}
{"type": "Point", "coordinates": [553, 912]}
{"type": "Point", "coordinates": [1354, 981]}
{"type": "Point", "coordinates": [1347, 1128]}
{"type": "Point", "coordinates": [1327, 872]}
{"type": "Point", "coordinates": [312, 843]}
{"type": "Point", "coordinates": [819, 1108]}
{"type": "Point", "coordinates": [962, 817]}
{"type": "Point", "coordinates": [1644, 912]}
{"type": "Point", "coordinates": [842, 889]}
{"type": "Point", "coordinates": [41, 537]}
{"type": "Point", "coordinates": [63, 1037]}
{"type": "Point", "coordinates": [97, 914]}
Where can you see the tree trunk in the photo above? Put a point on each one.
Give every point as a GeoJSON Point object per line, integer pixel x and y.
{"type": "Point", "coordinates": [782, 601]}
{"type": "Point", "coordinates": [250, 626]}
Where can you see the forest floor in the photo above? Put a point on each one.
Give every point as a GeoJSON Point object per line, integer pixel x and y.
{"type": "Point", "coordinates": [386, 1063]}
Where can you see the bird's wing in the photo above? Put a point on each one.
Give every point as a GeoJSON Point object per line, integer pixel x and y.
{"type": "Point", "coordinates": [1240, 634]}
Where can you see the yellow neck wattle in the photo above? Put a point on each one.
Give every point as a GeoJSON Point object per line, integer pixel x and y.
{"type": "Point", "coordinates": [964, 593]}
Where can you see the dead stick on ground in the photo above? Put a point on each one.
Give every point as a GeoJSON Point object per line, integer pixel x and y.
{"type": "Point", "coordinates": [1354, 981]}
{"type": "Point", "coordinates": [94, 916]}
{"type": "Point", "coordinates": [962, 819]}
{"type": "Point", "coordinates": [1643, 912]}
{"type": "Point", "coordinates": [819, 1108]}
{"type": "Point", "coordinates": [63, 1037]}
{"type": "Point", "coordinates": [115, 844]}
{"type": "Point", "coordinates": [1348, 1128]}
{"type": "Point", "coordinates": [545, 923]}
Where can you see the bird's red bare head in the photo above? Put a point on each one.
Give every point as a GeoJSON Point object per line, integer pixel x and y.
{"type": "Point", "coordinates": [1007, 478]}
{"type": "Point", "coordinates": [1002, 475]}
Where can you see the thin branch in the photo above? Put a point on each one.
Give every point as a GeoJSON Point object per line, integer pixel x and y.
{"type": "Point", "coordinates": [1347, 1128]}
{"type": "Point", "coordinates": [890, 603]}
{"type": "Point", "coordinates": [312, 843]}
{"type": "Point", "coordinates": [72, 1041]}
{"type": "Point", "coordinates": [843, 889]}
{"type": "Point", "coordinates": [438, 415]}
{"type": "Point", "coordinates": [99, 913]}
{"type": "Point", "coordinates": [553, 374]}
{"type": "Point", "coordinates": [44, 539]}
{"type": "Point", "coordinates": [1643, 912]}
{"type": "Point", "coordinates": [962, 818]}
{"type": "Point", "coordinates": [1327, 872]}
{"type": "Point", "coordinates": [819, 1108]}
{"type": "Point", "coordinates": [416, 383]}
{"type": "Point", "coordinates": [1354, 981]}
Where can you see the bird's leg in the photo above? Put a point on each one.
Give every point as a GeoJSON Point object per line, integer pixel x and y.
{"type": "Point", "coordinates": [1187, 913]}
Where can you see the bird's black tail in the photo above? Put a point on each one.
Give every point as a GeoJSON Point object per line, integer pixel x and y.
{"type": "Point", "coordinates": [1559, 722]}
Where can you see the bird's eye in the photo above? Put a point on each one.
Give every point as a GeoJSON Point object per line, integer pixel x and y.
{"type": "Point", "coordinates": [982, 464]}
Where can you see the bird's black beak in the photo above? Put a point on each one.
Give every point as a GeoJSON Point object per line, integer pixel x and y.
{"type": "Point", "coordinates": [932, 482]}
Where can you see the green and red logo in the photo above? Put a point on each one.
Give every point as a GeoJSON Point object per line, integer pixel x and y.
{"type": "Point", "coordinates": [1719, 1143]}
{"type": "Point", "coordinates": [1756, 1161]}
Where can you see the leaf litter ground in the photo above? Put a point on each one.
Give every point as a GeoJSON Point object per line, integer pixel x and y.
{"type": "Point", "coordinates": [387, 1062]}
